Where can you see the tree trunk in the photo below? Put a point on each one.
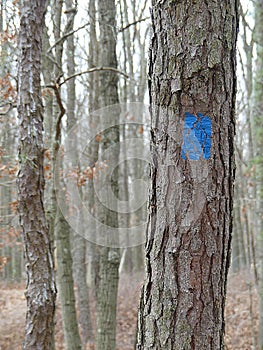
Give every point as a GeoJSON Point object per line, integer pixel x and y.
{"type": "Point", "coordinates": [41, 290]}
{"type": "Point", "coordinates": [109, 257]}
{"type": "Point", "coordinates": [258, 137]}
{"type": "Point", "coordinates": [61, 227]}
{"type": "Point", "coordinates": [65, 283]}
{"type": "Point", "coordinates": [192, 97]}
{"type": "Point", "coordinates": [78, 242]}
{"type": "Point", "coordinates": [92, 249]}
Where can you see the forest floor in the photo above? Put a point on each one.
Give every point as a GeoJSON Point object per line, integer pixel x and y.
{"type": "Point", "coordinates": [241, 314]}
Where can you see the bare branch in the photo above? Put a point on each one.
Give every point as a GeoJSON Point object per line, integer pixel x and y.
{"type": "Point", "coordinates": [61, 114]}
{"type": "Point", "coordinates": [65, 36]}
{"type": "Point", "coordinates": [243, 15]}
{"type": "Point", "coordinates": [132, 24]}
{"type": "Point", "coordinates": [9, 106]}
{"type": "Point", "coordinates": [56, 87]}
{"type": "Point", "coordinates": [92, 70]}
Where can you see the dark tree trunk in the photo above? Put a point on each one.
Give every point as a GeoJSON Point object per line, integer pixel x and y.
{"type": "Point", "coordinates": [41, 290]}
{"type": "Point", "coordinates": [192, 96]}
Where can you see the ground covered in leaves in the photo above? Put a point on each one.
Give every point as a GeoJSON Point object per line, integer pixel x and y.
{"type": "Point", "coordinates": [241, 314]}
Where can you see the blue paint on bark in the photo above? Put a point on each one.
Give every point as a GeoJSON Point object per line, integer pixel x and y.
{"type": "Point", "coordinates": [197, 136]}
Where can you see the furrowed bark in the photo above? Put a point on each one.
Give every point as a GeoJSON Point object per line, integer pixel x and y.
{"type": "Point", "coordinates": [41, 290]}
{"type": "Point", "coordinates": [191, 72]}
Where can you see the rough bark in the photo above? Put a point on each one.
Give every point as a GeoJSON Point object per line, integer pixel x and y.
{"type": "Point", "coordinates": [109, 257]}
{"type": "Point", "coordinates": [192, 69]}
{"type": "Point", "coordinates": [41, 291]}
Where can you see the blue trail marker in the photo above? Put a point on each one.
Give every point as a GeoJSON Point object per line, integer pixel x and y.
{"type": "Point", "coordinates": [197, 137]}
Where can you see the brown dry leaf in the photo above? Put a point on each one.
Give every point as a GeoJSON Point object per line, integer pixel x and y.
{"type": "Point", "coordinates": [98, 138]}
{"type": "Point", "coordinates": [47, 154]}
{"type": "Point", "coordinates": [140, 129]}
{"type": "Point", "coordinates": [13, 170]}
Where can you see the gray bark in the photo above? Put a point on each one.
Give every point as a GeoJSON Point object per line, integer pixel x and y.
{"type": "Point", "coordinates": [41, 290]}
{"type": "Point", "coordinates": [109, 257]}
{"type": "Point", "coordinates": [93, 251]}
{"type": "Point", "coordinates": [258, 137]}
{"type": "Point", "coordinates": [78, 242]}
{"type": "Point", "coordinates": [61, 227]}
{"type": "Point", "coordinates": [65, 283]}
{"type": "Point", "coordinates": [192, 69]}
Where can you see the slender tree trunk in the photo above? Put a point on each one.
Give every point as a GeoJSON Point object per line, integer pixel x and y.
{"type": "Point", "coordinates": [92, 249]}
{"type": "Point", "coordinates": [65, 283]}
{"type": "Point", "coordinates": [1, 15]}
{"type": "Point", "coordinates": [78, 242]}
{"type": "Point", "coordinates": [239, 255]}
{"type": "Point", "coordinates": [258, 136]}
{"type": "Point", "coordinates": [192, 87]}
{"type": "Point", "coordinates": [109, 257]}
{"type": "Point", "coordinates": [47, 70]}
{"type": "Point", "coordinates": [41, 290]}
{"type": "Point", "coordinates": [61, 227]}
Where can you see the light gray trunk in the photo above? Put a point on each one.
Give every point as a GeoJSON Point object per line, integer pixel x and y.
{"type": "Point", "coordinates": [258, 136]}
{"type": "Point", "coordinates": [92, 249]}
{"type": "Point", "coordinates": [60, 226]}
{"type": "Point", "coordinates": [109, 257]}
{"type": "Point", "coordinates": [78, 242]}
{"type": "Point", "coordinates": [65, 283]}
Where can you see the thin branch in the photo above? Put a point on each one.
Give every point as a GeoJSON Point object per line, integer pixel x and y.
{"type": "Point", "coordinates": [92, 70]}
{"type": "Point", "coordinates": [10, 107]}
{"type": "Point", "coordinates": [62, 110]}
{"type": "Point", "coordinates": [65, 36]}
{"type": "Point", "coordinates": [243, 15]}
{"type": "Point", "coordinates": [7, 183]}
{"type": "Point", "coordinates": [132, 24]}
{"type": "Point", "coordinates": [61, 114]}
{"type": "Point", "coordinates": [239, 153]}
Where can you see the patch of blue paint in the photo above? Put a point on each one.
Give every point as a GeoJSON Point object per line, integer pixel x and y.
{"type": "Point", "coordinates": [197, 137]}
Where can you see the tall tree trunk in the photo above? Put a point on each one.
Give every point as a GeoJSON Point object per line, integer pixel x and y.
{"type": "Point", "coordinates": [109, 257]}
{"type": "Point", "coordinates": [65, 283]}
{"type": "Point", "coordinates": [41, 290]}
{"type": "Point", "coordinates": [258, 136]}
{"type": "Point", "coordinates": [192, 94]}
{"type": "Point", "coordinates": [92, 249]}
{"type": "Point", "coordinates": [78, 241]}
{"type": "Point", "coordinates": [1, 15]}
{"type": "Point", "coordinates": [61, 227]}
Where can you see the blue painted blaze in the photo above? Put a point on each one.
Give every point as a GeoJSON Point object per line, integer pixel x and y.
{"type": "Point", "coordinates": [197, 137]}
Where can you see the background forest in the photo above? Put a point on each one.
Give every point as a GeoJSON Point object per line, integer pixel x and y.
{"type": "Point", "coordinates": [79, 69]}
